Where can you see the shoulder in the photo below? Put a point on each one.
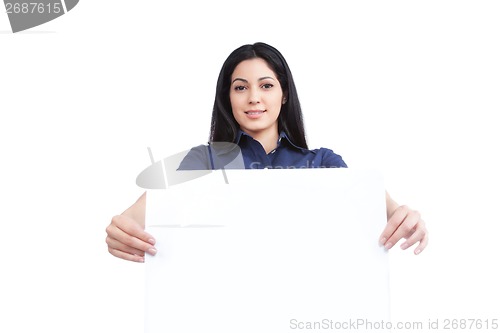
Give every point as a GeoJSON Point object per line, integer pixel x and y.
{"type": "Point", "coordinates": [198, 158]}
{"type": "Point", "coordinates": [329, 159]}
{"type": "Point", "coordinates": [322, 157]}
{"type": "Point", "coordinates": [214, 156]}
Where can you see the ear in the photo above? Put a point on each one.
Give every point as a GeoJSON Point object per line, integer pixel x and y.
{"type": "Point", "coordinates": [285, 97]}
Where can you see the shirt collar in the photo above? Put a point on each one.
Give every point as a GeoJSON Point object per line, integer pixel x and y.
{"type": "Point", "coordinates": [282, 136]}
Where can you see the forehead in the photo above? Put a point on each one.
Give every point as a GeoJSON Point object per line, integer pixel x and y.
{"type": "Point", "coordinates": [253, 68]}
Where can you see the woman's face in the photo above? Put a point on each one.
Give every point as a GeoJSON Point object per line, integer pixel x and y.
{"type": "Point", "coordinates": [256, 97]}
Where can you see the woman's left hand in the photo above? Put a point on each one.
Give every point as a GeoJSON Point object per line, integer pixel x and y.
{"type": "Point", "coordinates": [403, 222]}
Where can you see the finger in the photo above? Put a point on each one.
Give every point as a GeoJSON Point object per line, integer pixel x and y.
{"type": "Point", "coordinates": [126, 256]}
{"type": "Point", "coordinates": [405, 229]}
{"type": "Point", "coordinates": [423, 244]}
{"type": "Point", "coordinates": [131, 227]}
{"type": "Point", "coordinates": [393, 223]}
{"type": "Point", "coordinates": [417, 236]}
{"type": "Point", "coordinates": [114, 244]}
{"type": "Point", "coordinates": [120, 236]}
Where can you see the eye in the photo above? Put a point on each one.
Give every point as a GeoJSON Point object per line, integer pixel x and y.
{"type": "Point", "coordinates": [239, 88]}
{"type": "Point", "coordinates": [267, 86]}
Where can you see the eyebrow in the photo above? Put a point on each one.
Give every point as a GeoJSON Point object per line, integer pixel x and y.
{"type": "Point", "coordinates": [246, 81]}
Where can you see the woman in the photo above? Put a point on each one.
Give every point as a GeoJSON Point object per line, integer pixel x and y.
{"type": "Point", "coordinates": [257, 107]}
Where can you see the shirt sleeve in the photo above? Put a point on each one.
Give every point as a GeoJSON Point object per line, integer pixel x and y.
{"type": "Point", "coordinates": [198, 158]}
{"type": "Point", "coordinates": [331, 160]}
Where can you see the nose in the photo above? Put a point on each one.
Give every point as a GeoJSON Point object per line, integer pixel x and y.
{"type": "Point", "coordinates": [254, 96]}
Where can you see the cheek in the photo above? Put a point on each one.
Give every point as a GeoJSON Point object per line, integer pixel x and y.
{"type": "Point", "coordinates": [232, 99]}
{"type": "Point", "coordinates": [277, 101]}
{"type": "Point", "coordinates": [236, 101]}
{"type": "Point", "coordinates": [234, 105]}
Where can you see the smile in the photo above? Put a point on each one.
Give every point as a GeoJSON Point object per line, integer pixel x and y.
{"type": "Point", "coordinates": [254, 112]}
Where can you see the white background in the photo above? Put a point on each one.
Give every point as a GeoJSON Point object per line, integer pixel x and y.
{"type": "Point", "coordinates": [410, 88]}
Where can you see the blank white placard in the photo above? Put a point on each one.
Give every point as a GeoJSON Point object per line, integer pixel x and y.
{"type": "Point", "coordinates": [272, 251]}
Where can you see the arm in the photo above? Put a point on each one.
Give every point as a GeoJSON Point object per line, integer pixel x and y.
{"type": "Point", "coordinates": [402, 222]}
{"type": "Point", "coordinates": [126, 236]}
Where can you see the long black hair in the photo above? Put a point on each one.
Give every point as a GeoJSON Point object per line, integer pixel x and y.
{"type": "Point", "coordinates": [225, 128]}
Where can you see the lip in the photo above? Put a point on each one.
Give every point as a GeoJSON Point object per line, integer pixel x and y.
{"type": "Point", "coordinates": [254, 114]}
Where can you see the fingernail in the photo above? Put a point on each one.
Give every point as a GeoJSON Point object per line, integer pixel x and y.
{"type": "Point", "coordinates": [152, 251]}
{"type": "Point", "coordinates": [151, 241]}
{"type": "Point", "coordinates": [388, 245]}
{"type": "Point", "coordinates": [417, 251]}
{"type": "Point", "coordinates": [383, 240]}
{"type": "Point", "coordinates": [404, 246]}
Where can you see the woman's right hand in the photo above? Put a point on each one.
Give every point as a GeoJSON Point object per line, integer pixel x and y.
{"type": "Point", "coordinates": [126, 236]}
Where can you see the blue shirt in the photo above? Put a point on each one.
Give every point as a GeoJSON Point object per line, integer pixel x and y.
{"type": "Point", "coordinates": [248, 153]}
